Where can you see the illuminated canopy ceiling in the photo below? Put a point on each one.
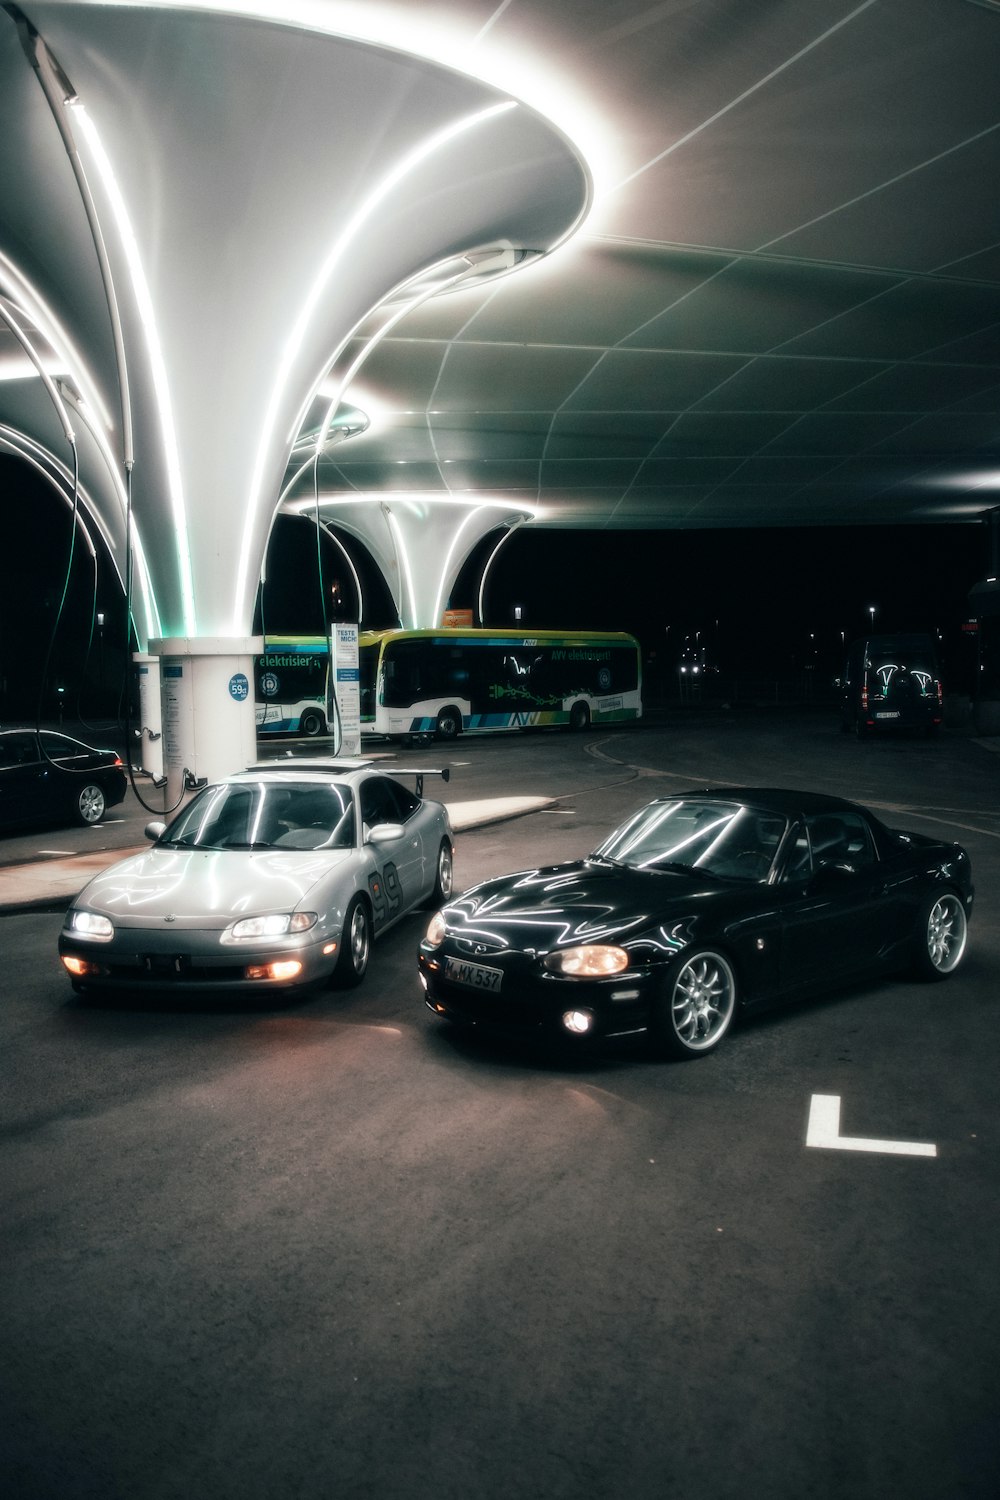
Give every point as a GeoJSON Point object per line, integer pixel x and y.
{"type": "Point", "coordinates": [782, 308]}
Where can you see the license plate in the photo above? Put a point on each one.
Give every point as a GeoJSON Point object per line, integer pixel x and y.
{"type": "Point", "coordinates": [888, 714]}
{"type": "Point", "coordinates": [475, 976]}
{"type": "Point", "coordinates": [164, 965]}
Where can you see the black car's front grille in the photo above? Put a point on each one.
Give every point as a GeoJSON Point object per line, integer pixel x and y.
{"type": "Point", "coordinates": [478, 945]}
{"type": "Point", "coordinates": [493, 1010]}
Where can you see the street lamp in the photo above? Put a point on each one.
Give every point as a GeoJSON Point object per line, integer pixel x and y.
{"type": "Point", "coordinates": [871, 615]}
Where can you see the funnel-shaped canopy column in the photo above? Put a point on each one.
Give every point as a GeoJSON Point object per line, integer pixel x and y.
{"type": "Point", "coordinates": [420, 545]}
{"type": "Point", "coordinates": [255, 191]}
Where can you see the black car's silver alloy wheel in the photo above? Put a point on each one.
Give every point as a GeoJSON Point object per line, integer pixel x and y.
{"type": "Point", "coordinates": [355, 944]}
{"type": "Point", "coordinates": [943, 935]}
{"type": "Point", "coordinates": [444, 880]}
{"type": "Point", "coordinates": [90, 803]}
{"type": "Point", "coordinates": [701, 1004]}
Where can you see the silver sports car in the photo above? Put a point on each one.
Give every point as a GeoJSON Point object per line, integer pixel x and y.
{"type": "Point", "coordinates": [276, 878]}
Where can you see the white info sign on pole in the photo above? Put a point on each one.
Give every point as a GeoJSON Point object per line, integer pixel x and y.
{"type": "Point", "coordinates": [347, 680]}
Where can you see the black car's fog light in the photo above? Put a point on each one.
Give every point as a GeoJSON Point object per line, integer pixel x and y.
{"type": "Point", "coordinates": [579, 1022]}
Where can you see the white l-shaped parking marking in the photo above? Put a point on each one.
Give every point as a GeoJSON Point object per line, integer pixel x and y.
{"type": "Point", "coordinates": [823, 1131]}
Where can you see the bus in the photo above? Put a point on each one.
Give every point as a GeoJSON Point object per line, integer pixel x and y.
{"type": "Point", "coordinates": [441, 682]}
{"type": "Point", "coordinates": [294, 689]}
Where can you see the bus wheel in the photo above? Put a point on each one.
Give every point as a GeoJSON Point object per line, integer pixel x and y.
{"type": "Point", "coordinates": [449, 724]}
{"type": "Point", "coordinates": [579, 717]}
{"type": "Point", "coordinates": [311, 723]}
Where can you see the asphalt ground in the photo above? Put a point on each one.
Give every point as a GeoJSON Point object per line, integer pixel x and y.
{"type": "Point", "coordinates": [330, 1249]}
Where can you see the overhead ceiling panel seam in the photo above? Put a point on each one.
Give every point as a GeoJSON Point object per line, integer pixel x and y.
{"type": "Point", "coordinates": [870, 448]}
{"type": "Point", "coordinates": [805, 262]}
{"type": "Point", "coordinates": [883, 186]}
{"type": "Point", "coordinates": [597, 363]}
{"type": "Point", "coordinates": [741, 98]}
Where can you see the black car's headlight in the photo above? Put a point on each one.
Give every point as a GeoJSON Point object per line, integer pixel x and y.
{"type": "Point", "coordinates": [591, 961]}
{"type": "Point", "coordinates": [275, 924]}
{"type": "Point", "coordinates": [436, 929]}
{"type": "Point", "coordinates": [91, 925]}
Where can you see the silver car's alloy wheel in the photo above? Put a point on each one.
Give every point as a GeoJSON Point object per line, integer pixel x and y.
{"type": "Point", "coordinates": [445, 875]}
{"type": "Point", "coordinates": [702, 1004]}
{"type": "Point", "coordinates": [90, 803]}
{"type": "Point", "coordinates": [355, 945]}
{"type": "Point", "coordinates": [946, 934]}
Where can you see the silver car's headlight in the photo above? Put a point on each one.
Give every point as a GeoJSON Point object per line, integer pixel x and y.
{"type": "Point", "coordinates": [591, 961]}
{"type": "Point", "coordinates": [436, 929]}
{"type": "Point", "coordinates": [90, 924]}
{"type": "Point", "coordinates": [276, 924]}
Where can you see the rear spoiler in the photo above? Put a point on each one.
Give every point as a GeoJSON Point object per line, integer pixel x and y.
{"type": "Point", "coordinates": [290, 762]}
{"type": "Point", "coordinates": [443, 771]}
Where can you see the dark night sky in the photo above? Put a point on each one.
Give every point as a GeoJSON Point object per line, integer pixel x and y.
{"type": "Point", "coordinates": [754, 594]}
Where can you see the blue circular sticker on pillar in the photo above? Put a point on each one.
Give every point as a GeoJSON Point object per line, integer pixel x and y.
{"type": "Point", "coordinates": [239, 687]}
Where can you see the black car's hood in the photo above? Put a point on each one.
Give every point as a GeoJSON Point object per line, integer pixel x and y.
{"type": "Point", "coordinates": [586, 902]}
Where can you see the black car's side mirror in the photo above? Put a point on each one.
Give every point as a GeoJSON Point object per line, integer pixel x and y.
{"type": "Point", "coordinates": [831, 872]}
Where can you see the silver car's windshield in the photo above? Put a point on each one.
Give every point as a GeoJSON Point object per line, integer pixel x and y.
{"type": "Point", "coordinates": [266, 815]}
{"type": "Point", "coordinates": [717, 838]}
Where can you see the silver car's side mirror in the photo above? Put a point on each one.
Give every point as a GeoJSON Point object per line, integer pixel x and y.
{"type": "Point", "coordinates": [153, 831]}
{"type": "Point", "coordinates": [384, 833]}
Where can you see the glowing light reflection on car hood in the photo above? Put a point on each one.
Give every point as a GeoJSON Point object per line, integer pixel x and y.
{"type": "Point", "coordinates": [215, 883]}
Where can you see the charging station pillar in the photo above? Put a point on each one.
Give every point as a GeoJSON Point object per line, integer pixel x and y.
{"type": "Point", "coordinates": [150, 731]}
{"type": "Point", "coordinates": [207, 704]}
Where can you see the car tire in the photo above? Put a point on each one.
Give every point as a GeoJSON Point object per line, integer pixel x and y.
{"type": "Point", "coordinates": [311, 724]}
{"type": "Point", "coordinates": [579, 718]}
{"type": "Point", "coordinates": [941, 936]}
{"type": "Point", "coordinates": [355, 945]}
{"type": "Point", "coordinates": [698, 1006]}
{"type": "Point", "coordinates": [444, 878]}
{"type": "Point", "coordinates": [449, 724]}
{"type": "Point", "coordinates": [90, 804]}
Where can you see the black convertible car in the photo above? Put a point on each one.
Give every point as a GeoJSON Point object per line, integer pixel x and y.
{"type": "Point", "coordinates": [698, 908]}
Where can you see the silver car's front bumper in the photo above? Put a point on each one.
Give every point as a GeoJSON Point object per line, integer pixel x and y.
{"type": "Point", "coordinates": [145, 959]}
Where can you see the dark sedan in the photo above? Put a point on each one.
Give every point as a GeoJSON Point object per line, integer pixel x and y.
{"type": "Point", "coordinates": [47, 777]}
{"type": "Point", "coordinates": [697, 909]}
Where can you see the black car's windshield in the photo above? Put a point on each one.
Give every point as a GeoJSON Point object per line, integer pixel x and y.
{"type": "Point", "coordinates": [698, 834]}
{"type": "Point", "coordinates": [266, 815]}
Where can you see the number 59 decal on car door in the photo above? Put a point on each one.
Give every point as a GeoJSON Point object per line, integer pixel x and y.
{"type": "Point", "coordinates": [386, 893]}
